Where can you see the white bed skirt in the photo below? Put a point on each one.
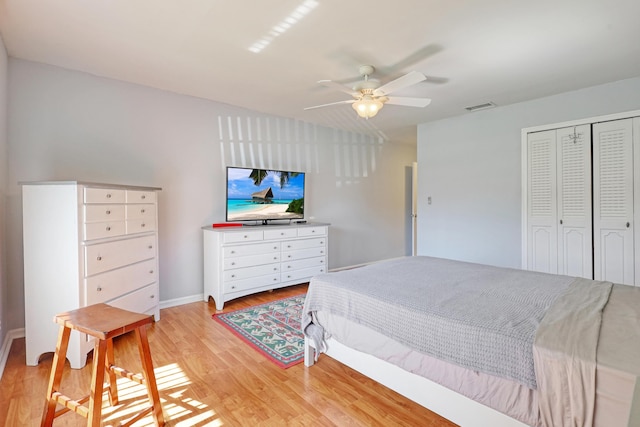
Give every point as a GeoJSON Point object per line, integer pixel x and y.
{"type": "Point", "coordinates": [446, 403]}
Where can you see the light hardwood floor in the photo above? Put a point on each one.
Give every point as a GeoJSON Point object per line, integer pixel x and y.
{"type": "Point", "coordinates": [208, 377]}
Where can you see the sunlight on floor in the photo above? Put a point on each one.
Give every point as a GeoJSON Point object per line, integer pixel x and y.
{"type": "Point", "coordinates": [179, 408]}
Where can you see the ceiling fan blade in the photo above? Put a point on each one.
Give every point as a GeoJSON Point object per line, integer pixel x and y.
{"type": "Point", "coordinates": [350, 101]}
{"type": "Point", "coordinates": [408, 102]}
{"type": "Point", "coordinates": [333, 85]}
{"type": "Point", "coordinates": [399, 83]}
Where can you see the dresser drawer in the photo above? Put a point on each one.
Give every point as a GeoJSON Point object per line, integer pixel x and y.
{"type": "Point", "coordinates": [140, 225]}
{"type": "Point", "coordinates": [142, 211]}
{"type": "Point", "coordinates": [141, 301]}
{"type": "Point", "coordinates": [304, 274]}
{"type": "Point", "coordinates": [140, 196]}
{"type": "Point", "coordinates": [312, 231]}
{"type": "Point", "coordinates": [304, 244]}
{"type": "Point", "coordinates": [107, 256]}
{"type": "Point", "coordinates": [303, 263]}
{"type": "Point", "coordinates": [248, 272]}
{"type": "Point", "coordinates": [248, 261]}
{"type": "Point", "coordinates": [245, 250]}
{"type": "Point", "coordinates": [103, 195]}
{"type": "Point", "coordinates": [243, 236]}
{"type": "Point", "coordinates": [280, 234]}
{"type": "Point", "coordinates": [252, 283]}
{"type": "Point", "coordinates": [111, 284]}
{"type": "Point", "coordinates": [303, 253]}
{"type": "Point", "coordinates": [103, 213]}
{"type": "Point", "coordinates": [101, 230]}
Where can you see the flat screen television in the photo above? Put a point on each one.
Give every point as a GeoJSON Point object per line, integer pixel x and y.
{"type": "Point", "coordinates": [264, 195]}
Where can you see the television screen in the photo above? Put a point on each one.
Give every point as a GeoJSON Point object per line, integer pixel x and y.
{"type": "Point", "coordinates": [264, 195]}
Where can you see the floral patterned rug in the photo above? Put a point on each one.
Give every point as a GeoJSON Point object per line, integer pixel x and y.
{"type": "Point", "coordinates": [272, 328]}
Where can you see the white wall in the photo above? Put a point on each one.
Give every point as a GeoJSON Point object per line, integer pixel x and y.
{"type": "Point", "coordinates": [66, 125]}
{"type": "Point", "coordinates": [470, 166]}
{"type": "Point", "coordinates": [4, 175]}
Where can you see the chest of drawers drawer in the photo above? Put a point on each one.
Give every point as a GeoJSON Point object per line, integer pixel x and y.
{"type": "Point", "coordinates": [143, 300]}
{"type": "Point", "coordinates": [254, 249]}
{"type": "Point", "coordinates": [303, 253]}
{"type": "Point", "coordinates": [248, 261]}
{"type": "Point", "coordinates": [107, 256]}
{"type": "Point", "coordinates": [312, 231]}
{"type": "Point", "coordinates": [243, 236]}
{"type": "Point", "coordinates": [101, 230]}
{"type": "Point", "coordinates": [140, 196]}
{"type": "Point", "coordinates": [248, 272]}
{"type": "Point", "coordinates": [111, 284]}
{"type": "Point", "coordinates": [104, 213]}
{"type": "Point", "coordinates": [280, 233]}
{"type": "Point", "coordinates": [304, 244]}
{"type": "Point", "coordinates": [103, 195]}
{"type": "Point", "coordinates": [140, 211]}
{"type": "Point", "coordinates": [303, 263]}
{"type": "Point", "coordinates": [140, 225]}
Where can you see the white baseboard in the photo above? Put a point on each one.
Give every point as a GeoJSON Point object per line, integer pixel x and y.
{"type": "Point", "coordinates": [6, 346]}
{"type": "Point", "coordinates": [181, 301]}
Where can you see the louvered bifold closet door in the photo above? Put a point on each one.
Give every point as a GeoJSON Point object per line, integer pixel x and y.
{"type": "Point", "coordinates": [574, 201]}
{"type": "Point", "coordinates": [613, 201]}
{"type": "Point", "coordinates": [542, 229]}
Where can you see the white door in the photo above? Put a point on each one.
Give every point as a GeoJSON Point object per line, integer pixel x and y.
{"type": "Point", "coordinates": [542, 224]}
{"type": "Point", "coordinates": [574, 201]}
{"type": "Point", "coordinates": [613, 201]}
{"type": "Point", "coordinates": [636, 189]}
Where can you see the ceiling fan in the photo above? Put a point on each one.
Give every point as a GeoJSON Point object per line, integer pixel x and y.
{"type": "Point", "coordinates": [369, 96]}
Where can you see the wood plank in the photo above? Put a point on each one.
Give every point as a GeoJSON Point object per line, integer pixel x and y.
{"type": "Point", "coordinates": [207, 376]}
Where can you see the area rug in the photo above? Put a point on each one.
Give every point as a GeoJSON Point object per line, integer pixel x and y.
{"type": "Point", "coordinates": [273, 329]}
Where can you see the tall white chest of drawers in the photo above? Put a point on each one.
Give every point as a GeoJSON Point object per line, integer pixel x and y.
{"type": "Point", "coordinates": [239, 261]}
{"type": "Point", "coordinates": [85, 243]}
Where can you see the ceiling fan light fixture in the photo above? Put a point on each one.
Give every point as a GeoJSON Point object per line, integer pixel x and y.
{"type": "Point", "coordinates": [367, 107]}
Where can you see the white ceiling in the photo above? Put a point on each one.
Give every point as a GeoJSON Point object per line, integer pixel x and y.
{"type": "Point", "coordinates": [472, 51]}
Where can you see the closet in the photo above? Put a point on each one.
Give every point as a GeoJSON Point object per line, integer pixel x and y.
{"type": "Point", "coordinates": [580, 181]}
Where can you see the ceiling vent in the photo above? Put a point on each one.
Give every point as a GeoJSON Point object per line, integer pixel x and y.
{"type": "Point", "coordinates": [480, 106]}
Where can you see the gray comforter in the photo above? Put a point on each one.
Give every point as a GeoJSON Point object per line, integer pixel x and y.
{"type": "Point", "coordinates": [479, 317]}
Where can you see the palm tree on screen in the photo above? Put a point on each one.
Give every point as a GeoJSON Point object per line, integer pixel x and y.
{"type": "Point", "coordinates": [258, 175]}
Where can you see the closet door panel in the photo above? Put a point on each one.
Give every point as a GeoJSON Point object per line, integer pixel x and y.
{"type": "Point", "coordinates": [613, 214]}
{"type": "Point", "coordinates": [542, 233]}
{"type": "Point", "coordinates": [574, 201]}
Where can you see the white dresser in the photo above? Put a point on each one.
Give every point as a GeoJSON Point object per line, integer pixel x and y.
{"type": "Point", "coordinates": [85, 243]}
{"type": "Point", "coordinates": [239, 261]}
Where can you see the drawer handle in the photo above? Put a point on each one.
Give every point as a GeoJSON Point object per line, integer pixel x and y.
{"type": "Point", "coordinates": [275, 247]}
{"type": "Point", "coordinates": [233, 252]}
{"type": "Point", "coordinates": [233, 263]}
{"type": "Point", "coordinates": [321, 261]}
{"type": "Point", "coordinates": [322, 243]}
{"type": "Point", "coordinates": [321, 252]}
{"type": "Point", "coordinates": [246, 237]}
{"type": "Point", "coordinates": [99, 289]}
{"type": "Point", "coordinates": [108, 195]}
{"type": "Point", "coordinates": [108, 228]}
{"type": "Point", "coordinates": [99, 258]}
{"type": "Point", "coordinates": [144, 197]}
{"type": "Point", "coordinates": [233, 275]}
{"type": "Point", "coordinates": [313, 231]}
{"type": "Point", "coordinates": [150, 271]}
{"type": "Point", "coordinates": [142, 225]}
{"type": "Point", "coordinates": [275, 257]}
{"type": "Point", "coordinates": [233, 287]}
{"type": "Point", "coordinates": [108, 212]}
{"type": "Point", "coordinates": [288, 266]}
{"type": "Point", "coordinates": [275, 279]}
{"type": "Point", "coordinates": [153, 296]}
{"type": "Point", "coordinates": [288, 276]}
{"type": "Point", "coordinates": [322, 270]}
{"type": "Point", "coordinates": [288, 256]}
{"type": "Point", "coordinates": [275, 268]}
{"type": "Point", "coordinates": [282, 234]}
{"type": "Point", "coordinates": [150, 246]}
{"type": "Point", "coordinates": [141, 210]}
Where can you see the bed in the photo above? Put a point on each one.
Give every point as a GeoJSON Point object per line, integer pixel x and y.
{"type": "Point", "coordinates": [483, 345]}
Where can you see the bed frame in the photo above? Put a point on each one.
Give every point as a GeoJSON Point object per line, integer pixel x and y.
{"type": "Point", "coordinates": [446, 403]}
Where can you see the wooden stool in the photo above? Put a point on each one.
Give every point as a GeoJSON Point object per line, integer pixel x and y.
{"type": "Point", "coordinates": [102, 322]}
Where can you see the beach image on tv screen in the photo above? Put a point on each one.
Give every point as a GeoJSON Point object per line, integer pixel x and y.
{"type": "Point", "coordinates": [258, 194]}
